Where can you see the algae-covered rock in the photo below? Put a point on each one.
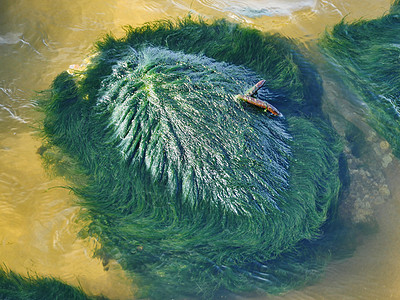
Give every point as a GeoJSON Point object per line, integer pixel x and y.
{"type": "Point", "coordinates": [190, 189]}
{"type": "Point", "coordinates": [14, 286]}
{"type": "Point", "coordinates": [366, 53]}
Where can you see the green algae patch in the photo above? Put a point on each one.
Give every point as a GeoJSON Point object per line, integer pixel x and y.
{"type": "Point", "coordinates": [366, 54]}
{"type": "Point", "coordinates": [192, 191]}
{"type": "Point", "coordinates": [14, 286]}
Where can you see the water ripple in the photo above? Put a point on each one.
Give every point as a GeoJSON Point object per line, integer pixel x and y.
{"type": "Point", "coordinates": [257, 8]}
{"type": "Point", "coordinates": [13, 97]}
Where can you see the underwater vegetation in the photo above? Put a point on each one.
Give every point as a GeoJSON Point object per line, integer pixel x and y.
{"type": "Point", "coordinates": [14, 286]}
{"type": "Point", "coordinates": [192, 190]}
{"type": "Point", "coordinates": [368, 53]}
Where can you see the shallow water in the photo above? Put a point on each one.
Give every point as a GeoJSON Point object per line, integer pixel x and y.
{"type": "Point", "coordinates": [38, 227]}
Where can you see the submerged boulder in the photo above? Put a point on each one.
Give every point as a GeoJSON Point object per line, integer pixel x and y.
{"type": "Point", "coordinates": [366, 54]}
{"type": "Point", "coordinates": [191, 189]}
{"type": "Point", "coordinates": [14, 286]}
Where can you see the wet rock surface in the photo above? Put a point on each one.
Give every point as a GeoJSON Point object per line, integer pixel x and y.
{"type": "Point", "coordinates": [368, 188]}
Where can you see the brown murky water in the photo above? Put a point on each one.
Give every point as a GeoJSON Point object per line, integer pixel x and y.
{"type": "Point", "coordinates": [38, 226]}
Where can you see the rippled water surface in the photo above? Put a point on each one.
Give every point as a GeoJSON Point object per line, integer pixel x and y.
{"type": "Point", "coordinates": [38, 226]}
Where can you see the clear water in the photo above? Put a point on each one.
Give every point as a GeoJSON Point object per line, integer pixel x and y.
{"type": "Point", "coordinates": [38, 227]}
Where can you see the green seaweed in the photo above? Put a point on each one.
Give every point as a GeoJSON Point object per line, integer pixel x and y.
{"type": "Point", "coordinates": [17, 287]}
{"type": "Point", "coordinates": [366, 52]}
{"type": "Point", "coordinates": [192, 191]}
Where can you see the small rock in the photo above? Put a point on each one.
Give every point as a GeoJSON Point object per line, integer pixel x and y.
{"type": "Point", "coordinates": [371, 136]}
{"type": "Point", "coordinates": [386, 160]}
{"type": "Point", "coordinates": [379, 200]}
{"type": "Point", "coordinates": [384, 191]}
{"type": "Point", "coordinates": [384, 145]}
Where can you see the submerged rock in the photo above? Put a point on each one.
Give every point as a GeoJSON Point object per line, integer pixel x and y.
{"type": "Point", "coordinates": [367, 55]}
{"type": "Point", "coordinates": [14, 286]}
{"type": "Point", "coordinates": [192, 190]}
